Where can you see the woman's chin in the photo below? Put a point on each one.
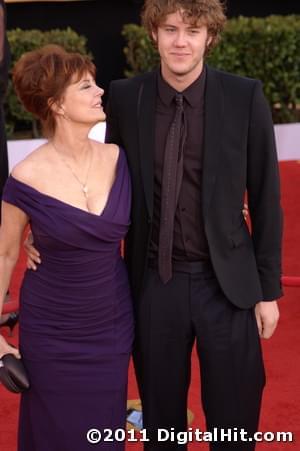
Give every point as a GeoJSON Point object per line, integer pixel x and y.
{"type": "Point", "coordinates": [101, 117]}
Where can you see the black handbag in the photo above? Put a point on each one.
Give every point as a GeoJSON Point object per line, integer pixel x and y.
{"type": "Point", "coordinates": [13, 374]}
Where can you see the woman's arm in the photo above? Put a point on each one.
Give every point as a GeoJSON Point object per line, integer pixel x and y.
{"type": "Point", "coordinates": [13, 223]}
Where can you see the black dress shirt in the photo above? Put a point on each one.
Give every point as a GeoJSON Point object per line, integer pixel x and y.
{"type": "Point", "coordinates": [190, 242]}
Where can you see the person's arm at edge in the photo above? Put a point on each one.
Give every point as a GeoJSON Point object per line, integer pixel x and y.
{"type": "Point", "coordinates": [265, 210]}
{"type": "Point", "coordinates": [13, 223]}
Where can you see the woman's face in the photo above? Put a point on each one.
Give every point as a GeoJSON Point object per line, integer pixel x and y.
{"type": "Point", "coordinates": [82, 101]}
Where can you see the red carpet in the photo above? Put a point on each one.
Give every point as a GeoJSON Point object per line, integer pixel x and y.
{"type": "Point", "coordinates": [281, 404]}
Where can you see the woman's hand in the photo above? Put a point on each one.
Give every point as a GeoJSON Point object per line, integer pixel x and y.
{"type": "Point", "coordinates": [33, 256]}
{"type": "Point", "coordinates": [6, 348]}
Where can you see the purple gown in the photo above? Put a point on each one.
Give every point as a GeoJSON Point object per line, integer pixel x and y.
{"type": "Point", "coordinates": [76, 321]}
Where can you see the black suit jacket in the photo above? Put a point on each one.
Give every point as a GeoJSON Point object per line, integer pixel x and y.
{"type": "Point", "coordinates": [239, 156]}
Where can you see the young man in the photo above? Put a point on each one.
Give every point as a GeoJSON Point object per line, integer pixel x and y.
{"type": "Point", "coordinates": [196, 140]}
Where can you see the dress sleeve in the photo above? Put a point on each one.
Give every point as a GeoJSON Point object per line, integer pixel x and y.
{"type": "Point", "coordinates": [11, 193]}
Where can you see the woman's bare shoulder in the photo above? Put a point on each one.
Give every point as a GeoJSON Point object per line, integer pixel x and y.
{"type": "Point", "coordinates": [30, 168]}
{"type": "Point", "coordinates": [110, 151]}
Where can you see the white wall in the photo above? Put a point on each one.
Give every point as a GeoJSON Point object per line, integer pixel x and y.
{"type": "Point", "coordinates": [18, 150]}
{"type": "Point", "coordinates": [287, 140]}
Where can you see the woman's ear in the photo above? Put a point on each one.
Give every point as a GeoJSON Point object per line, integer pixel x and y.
{"type": "Point", "coordinates": [56, 107]}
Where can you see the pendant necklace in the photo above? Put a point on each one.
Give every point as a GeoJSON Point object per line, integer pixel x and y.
{"type": "Point", "coordinates": [83, 185]}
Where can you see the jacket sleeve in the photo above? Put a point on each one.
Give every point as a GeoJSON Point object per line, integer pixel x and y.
{"type": "Point", "coordinates": [264, 195]}
{"type": "Point", "coordinates": [112, 134]}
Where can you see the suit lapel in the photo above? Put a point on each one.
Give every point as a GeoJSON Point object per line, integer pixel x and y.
{"type": "Point", "coordinates": [213, 125]}
{"type": "Point", "coordinates": [146, 126]}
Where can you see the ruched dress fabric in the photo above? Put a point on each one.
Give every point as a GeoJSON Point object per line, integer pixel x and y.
{"type": "Point", "coordinates": [76, 321]}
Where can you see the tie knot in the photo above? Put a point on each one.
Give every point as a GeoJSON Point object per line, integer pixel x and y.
{"type": "Point", "coordinates": [179, 100]}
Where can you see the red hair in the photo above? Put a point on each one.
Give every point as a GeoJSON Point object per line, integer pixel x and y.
{"type": "Point", "coordinates": [41, 76]}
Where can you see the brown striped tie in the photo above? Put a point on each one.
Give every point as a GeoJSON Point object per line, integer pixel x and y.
{"type": "Point", "coordinates": [171, 184]}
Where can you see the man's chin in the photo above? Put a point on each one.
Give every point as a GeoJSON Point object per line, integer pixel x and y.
{"type": "Point", "coordinates": [180, 72]}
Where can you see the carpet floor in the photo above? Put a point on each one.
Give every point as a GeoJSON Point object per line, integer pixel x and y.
{"type": "Point", "coordinates": [281, 402]}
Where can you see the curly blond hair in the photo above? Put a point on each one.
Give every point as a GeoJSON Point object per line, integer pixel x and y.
{"type": "Point", "coordinates": [210, 13]}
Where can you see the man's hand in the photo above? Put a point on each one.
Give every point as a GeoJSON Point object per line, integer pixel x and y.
{"type": "Point", "coordinates": [267, 316]}
{"type": "Point", "coordinates": [245, 211]}
{"type": "Point", "coordinates": [33, 256]}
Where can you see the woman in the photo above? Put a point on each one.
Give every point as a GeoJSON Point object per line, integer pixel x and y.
{"type": "Point", "coordinates": [76, 322]}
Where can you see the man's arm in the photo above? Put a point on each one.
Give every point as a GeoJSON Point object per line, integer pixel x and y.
{"type": "Point", "coordinates": [266, 215]}
{"type": "Point", "coordinates": [264, 196]}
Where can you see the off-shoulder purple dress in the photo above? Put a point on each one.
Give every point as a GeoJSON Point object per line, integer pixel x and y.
{"type": "Point", "coordinates": [76, 323]}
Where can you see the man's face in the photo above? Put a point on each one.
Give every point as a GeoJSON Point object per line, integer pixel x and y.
{"type": "Point", "coordinates": [181, 46]}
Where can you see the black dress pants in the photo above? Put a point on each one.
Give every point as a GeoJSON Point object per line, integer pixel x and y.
{"type": "Point", "coordinates": [170, 318]}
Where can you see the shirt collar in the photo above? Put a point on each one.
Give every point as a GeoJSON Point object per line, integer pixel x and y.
{"type": "Point", "coordinates": [193, 94]}
{"type": "Point", "coordinates": [165, 91]}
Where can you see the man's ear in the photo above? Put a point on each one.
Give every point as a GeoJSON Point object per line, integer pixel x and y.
{"type": "Point", "coordinates": [154, 36]}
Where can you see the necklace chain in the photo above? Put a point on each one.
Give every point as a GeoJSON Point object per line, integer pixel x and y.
{"type": "Point", "coordinates": [84, 187]}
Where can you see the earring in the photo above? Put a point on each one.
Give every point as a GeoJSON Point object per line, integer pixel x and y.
{"type": "Point", "coordinates": [64, 115]}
